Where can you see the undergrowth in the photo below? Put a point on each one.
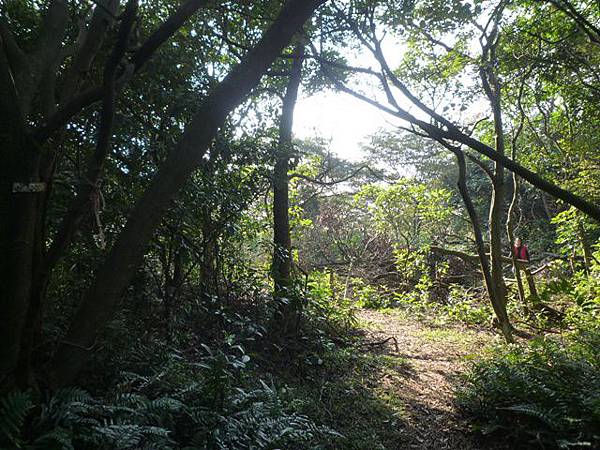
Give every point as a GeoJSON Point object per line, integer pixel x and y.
{"type": "Point", "coordinates": [181, 406]}
{"type": "Point", "coordinates": [344, 392]}
{"type": "Point", "coordinates": [208, 384]}
{"type": "Point", "coordinates": [544, 394]}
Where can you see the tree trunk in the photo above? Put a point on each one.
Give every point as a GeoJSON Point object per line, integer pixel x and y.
{"type": "Point", "coordinates": [492, 89]}
{"type": "Point", "coordinates": [498, 189]}
{"type": "Point", "coordinates": [18, 242]}
{"type": "Point", "coordinates": [28, 157]}
{"type": "Point", "coordinates": [467, 257]}
{"type": "Point", "coordinates": [533, 293]}
{"type": "Point", "coordinates": [585, 245]}
{"type": "Point", "coordinates": [21, 188]}
{"type": "Point", "coordinates": [495, 232]}
{"type": "Point", "coordinates": [511, 234]}
{"type": "Point", "coordinates": [209, 254]}
{"type": "Point", "coordinates": [511, 239]}
{"type": "Point", "coordinates": [282, 244]}
{"type": "Point", "coordinates": [332, 285]}
{"type": "Point", "coordinates": [498, 303]}
{"type": "Point", "coordinates": [113, 276]}
{"type": "Point", "coordinates": [18, 217]}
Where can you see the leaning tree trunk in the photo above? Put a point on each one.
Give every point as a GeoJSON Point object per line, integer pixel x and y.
{"type": "Point", "coordinates": [113, 276]}
{"type": "Point", "coordinates": [498, 303]}
{"type": "Point", "coordinates": [510, 230]}
{"type": "Point", "coordinates": [288, 308]}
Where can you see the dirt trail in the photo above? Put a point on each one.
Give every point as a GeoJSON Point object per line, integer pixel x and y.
{"type": "Point", "coordinates": [436, 357]}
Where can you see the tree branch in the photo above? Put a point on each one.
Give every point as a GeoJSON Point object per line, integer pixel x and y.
{"type": "Point", "coordinates": [453, 133]}
{"type": "Point", "coordinates": [142, 55]}
{"type": "Point", "coordinates": [88, 188]}
{"type": "Point", "coordinates": [16, 56]}
{"type": "Point", "coordinates": [333, 182]}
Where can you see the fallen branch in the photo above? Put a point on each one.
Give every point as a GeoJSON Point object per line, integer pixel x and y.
{"type": "Point", "coordinates": [462, 255]}
{"type": "Point", "coordinates": [379, 343]}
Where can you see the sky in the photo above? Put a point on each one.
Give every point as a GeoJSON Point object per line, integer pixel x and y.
{"type": "Point", "coordinates": [348, 122]}
{"type": "Point", "coordinates": [344, 120]}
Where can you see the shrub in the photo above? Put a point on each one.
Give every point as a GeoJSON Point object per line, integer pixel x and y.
{"type": "Point", "coordinates": [196, 406]}
{"type": "Point", "coordinates": [466, 306]}
{"type": "Point", "coordinates": [546, 393]}
{"type": "Point", "coordinates": [328, 313]}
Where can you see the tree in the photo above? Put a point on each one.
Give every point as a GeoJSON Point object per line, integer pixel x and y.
{"type": "Point", "coordinates": [282, 243]}
{"type": "Point", "coordinates": [110, 280]}
{"type": "Point", "coordinates": [432, 24]}
{"type": "Point", "coordinates": [412, 214]}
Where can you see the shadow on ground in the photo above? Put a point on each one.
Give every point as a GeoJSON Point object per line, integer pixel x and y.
{"type": "Point", "coordinates": [397, 394]}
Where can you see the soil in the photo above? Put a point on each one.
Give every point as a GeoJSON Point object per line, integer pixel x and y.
{"type": "Point", "coordinates": [436, 356]}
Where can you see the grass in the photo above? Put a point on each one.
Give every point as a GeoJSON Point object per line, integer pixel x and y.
{"type": "Point", "coordinates": [454, 336]}
{"type": "Point", "coordinates": [346, 393]}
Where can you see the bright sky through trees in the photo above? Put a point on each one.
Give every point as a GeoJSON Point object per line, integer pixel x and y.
{"type": "Point", "coordinates": [346, 121]}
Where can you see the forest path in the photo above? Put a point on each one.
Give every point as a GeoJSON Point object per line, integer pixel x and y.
{"type": "Point", "coordinates": [435, 357]}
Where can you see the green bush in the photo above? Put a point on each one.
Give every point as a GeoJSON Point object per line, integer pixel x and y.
{"type": "Point", "coordinates": [545, 394]}
{"type": "Point", "coordinates": [328, 311]}
{"type": "Point", "coordinates": [179, 405]}
{"type": "Point", "coordinates": [466, 306]}
{"type": "Point", "coordinates": [368, 296]}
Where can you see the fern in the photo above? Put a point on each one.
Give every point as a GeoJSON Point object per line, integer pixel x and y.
{"type": "Point", "coordinates": [543, 414]}
{"type": "Point", "coordinates": [59, 438]}
{"type": "Point", "coordinates": [123, 437]}
{"type": "Point", "coordinates": [547, 391]}
{"type": "Point", "coordinates": [14, 407]}
{"type": "Point", "coordinates": [261, 421]}
{"type": "Point", "coordinates": [172, 408]}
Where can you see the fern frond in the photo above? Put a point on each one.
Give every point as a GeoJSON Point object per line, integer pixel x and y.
{"type": "Point", "coordinates": [14, 407]}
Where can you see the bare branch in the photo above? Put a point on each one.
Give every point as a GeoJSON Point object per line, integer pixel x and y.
{"type": "Point", "coordinates": [332, 182]}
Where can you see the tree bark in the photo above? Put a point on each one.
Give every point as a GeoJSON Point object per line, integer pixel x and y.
{"type": "Point", "coordinates": [515, 195]}
{"type": "Point", "coordinates": [115, 273]}
{"type": "Point", "coordinates": [462, 255]}
{"type": "Point", "coordinates": [28, 157]}
{"type": "Point", "coordinates": [498, 304]}
{"type": "Point", "coordinates": [21, 187]}
{"type": "Point", "coordinates": [282, 243]}
{"type": "Point", "coordinates": [533, 293]}
{"type": "Point", "coordinates": [20, 163]}
{"type": "Point", "coordinates": [491, 87]}
{"type": "Point", "coordinates": [511, 236]}
{"type": "Point", "coordinates": [81, 203]}
{"type": "Point", "coordinates": [585, 245]}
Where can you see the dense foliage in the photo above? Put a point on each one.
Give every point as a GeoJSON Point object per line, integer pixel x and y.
{"type": "Point", "coordinates": [178, 270]}
{"type": "Point", "coordinates": [542, 394]}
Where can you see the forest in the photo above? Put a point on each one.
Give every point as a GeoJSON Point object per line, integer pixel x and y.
{"type": "Point", "coordinates": [184, 266]}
